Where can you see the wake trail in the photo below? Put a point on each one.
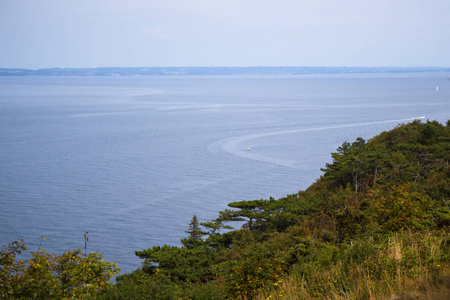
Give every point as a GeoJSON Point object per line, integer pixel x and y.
{"type": "Point", "coordinates": [236, 145]}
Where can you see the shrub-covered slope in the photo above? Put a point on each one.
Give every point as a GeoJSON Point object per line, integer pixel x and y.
{"type": "Point", "coordinates": [376, 224]}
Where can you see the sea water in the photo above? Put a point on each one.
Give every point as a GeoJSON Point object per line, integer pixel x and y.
{"type": "Point", "coordinates": [131, 159]}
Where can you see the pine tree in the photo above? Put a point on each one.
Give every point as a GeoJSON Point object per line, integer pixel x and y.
{"type": "Point", "coordinates": [195, 234]}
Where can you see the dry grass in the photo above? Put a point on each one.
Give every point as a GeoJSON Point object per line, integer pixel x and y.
{"type": "Point", "coordinates": [395, 248]}
{"type": "Point", "coordinates": [421, 288]}
{"type": "Point", "coordinates": [359, 281]}
{"type": "Point", "coordinates": [426, 290]}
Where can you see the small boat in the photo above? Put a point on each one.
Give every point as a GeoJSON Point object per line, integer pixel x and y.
{"type": "Point", "coordinates": [247, 149]}
{"type": "Point", "coordinates": [437, 89]}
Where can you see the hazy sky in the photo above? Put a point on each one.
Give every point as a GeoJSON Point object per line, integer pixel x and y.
{"type": "Point", "coordinates": [134, 33]}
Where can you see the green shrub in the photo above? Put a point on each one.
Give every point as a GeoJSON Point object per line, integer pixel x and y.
{"type": "Point", "coordinates": [73, 274]}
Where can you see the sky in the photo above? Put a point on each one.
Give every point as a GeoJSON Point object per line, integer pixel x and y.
{"type": "Point", "coordinates": [38, 34]}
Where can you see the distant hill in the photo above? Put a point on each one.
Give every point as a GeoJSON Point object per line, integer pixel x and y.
{"type": "Point", "coordinates": [165, 71]}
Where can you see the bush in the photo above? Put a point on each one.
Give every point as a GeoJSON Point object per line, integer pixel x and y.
{"type": "Point", "coordinates": [73, 274]}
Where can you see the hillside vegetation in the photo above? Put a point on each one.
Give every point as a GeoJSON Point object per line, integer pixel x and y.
{"type": "Point", "coordinates": [374, 226]}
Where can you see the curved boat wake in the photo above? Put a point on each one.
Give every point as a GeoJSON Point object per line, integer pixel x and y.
{"type": "Point", "coordinates": [238, 145]}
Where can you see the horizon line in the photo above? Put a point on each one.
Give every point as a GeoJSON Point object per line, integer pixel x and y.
{"type": "Point", "coordinates": [248, 67]}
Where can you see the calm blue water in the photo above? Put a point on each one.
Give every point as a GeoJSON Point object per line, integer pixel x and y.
{"type": "Point", "coordinates": [131, 159]}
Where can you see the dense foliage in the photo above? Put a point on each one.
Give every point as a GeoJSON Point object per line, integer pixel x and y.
{"type": "Point", "coordinates": [73, 275]}
{"type": "Point", "coordinates": [376, 224]}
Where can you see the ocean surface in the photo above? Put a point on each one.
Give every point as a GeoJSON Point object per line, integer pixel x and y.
{"type": "Point", "coordinates": [131, 159]}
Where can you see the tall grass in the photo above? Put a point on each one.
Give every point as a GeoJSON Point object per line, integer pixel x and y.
{"type": "Point", "coordinates": [402, 266]}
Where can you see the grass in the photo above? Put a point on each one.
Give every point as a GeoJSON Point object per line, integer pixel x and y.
{"type": "Point", "coordinates": [404, 266]}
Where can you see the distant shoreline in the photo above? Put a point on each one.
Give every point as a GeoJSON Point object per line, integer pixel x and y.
{"type": "Point", "coordinates": [170, 71]}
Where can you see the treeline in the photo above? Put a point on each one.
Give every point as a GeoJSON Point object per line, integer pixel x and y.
{"type": "Point", "coordinates": [376, 224]}
{"type": "Point", "coordinates": [208, 71]}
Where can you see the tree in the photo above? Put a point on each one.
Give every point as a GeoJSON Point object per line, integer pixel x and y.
{"type": "Point", "coordinates": [256, 212]}
{"type": "Point", "coordinates": [347, 164]}
{"type": "Point", "coordinates": [195, 234]}
{"type": "Point", "coordinates": [190, 263]}
{"type": "Point", "coordinates": [74, 274]}
{"type": "Point", "coordinates": [181, 264]}
{"type": "Point", "coordinates": [215, 225]}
